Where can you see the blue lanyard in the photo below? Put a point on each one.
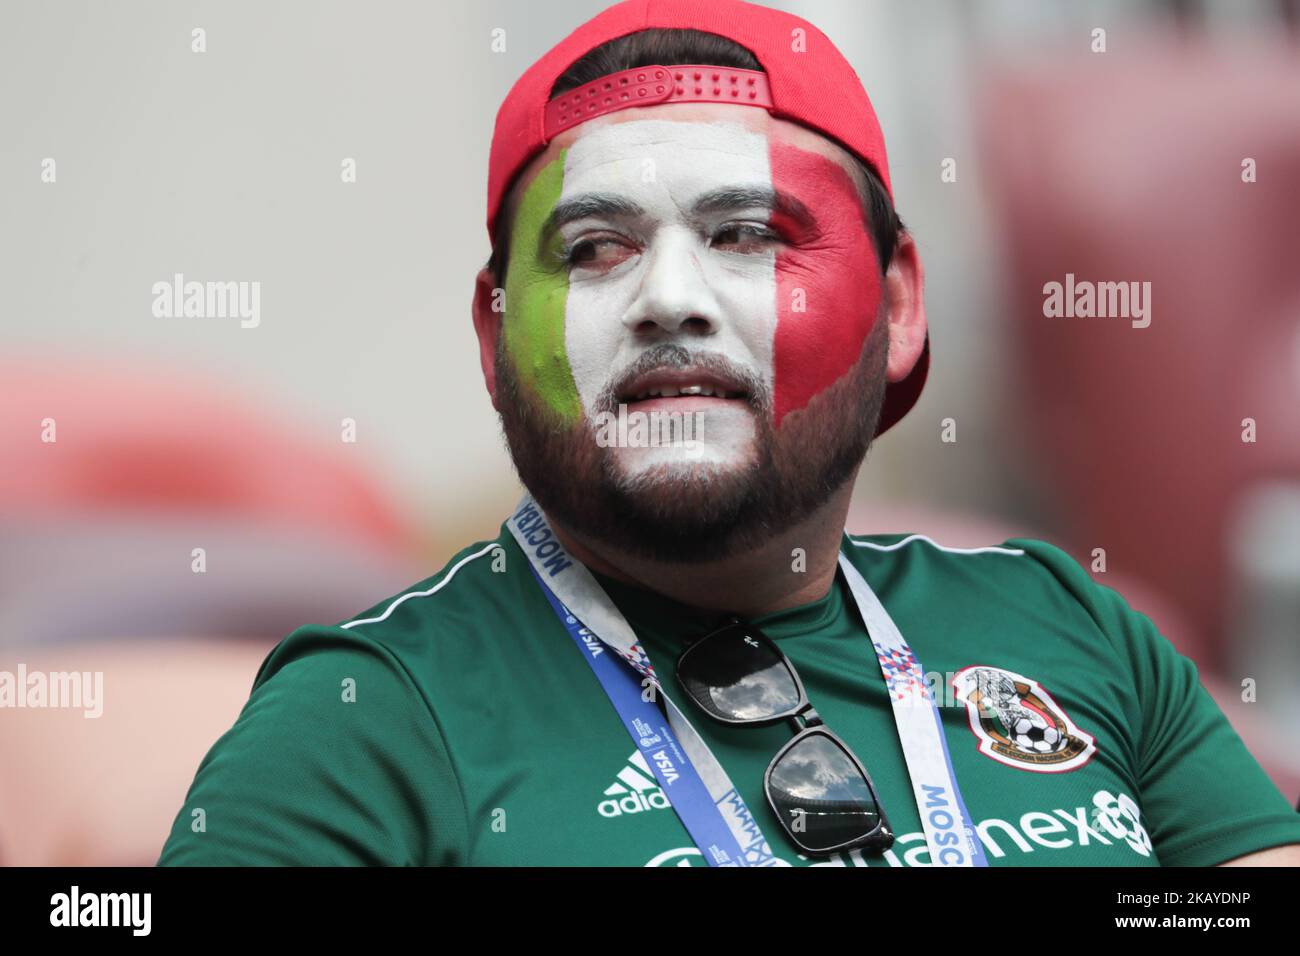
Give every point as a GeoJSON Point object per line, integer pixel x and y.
{"type": "Point", "coordinates": [697, 786]}
{"type": "Point", "coordinates": [653, 736]}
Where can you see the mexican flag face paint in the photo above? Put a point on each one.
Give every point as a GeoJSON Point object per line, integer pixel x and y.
{"type": "Point", "coordinates": [740, 238]}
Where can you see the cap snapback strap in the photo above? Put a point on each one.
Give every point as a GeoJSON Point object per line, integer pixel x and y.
{"type": "Point", "coordinates": [653, 85]}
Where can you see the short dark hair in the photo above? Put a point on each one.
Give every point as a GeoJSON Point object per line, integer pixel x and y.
{"type": "Point", "coordinates": [667, 47]}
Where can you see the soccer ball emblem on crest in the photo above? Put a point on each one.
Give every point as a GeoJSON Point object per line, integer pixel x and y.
{"type": "Point", "coordinates": [1018, 724]}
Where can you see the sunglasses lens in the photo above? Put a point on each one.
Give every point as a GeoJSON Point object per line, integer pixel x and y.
{"type": "Point", "coordinates": [736, 676]}
{"type": "Point", "coordinates": [820, 795]}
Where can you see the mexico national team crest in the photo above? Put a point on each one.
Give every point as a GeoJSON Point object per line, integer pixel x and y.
{"type": "Point", "coordinates": [1017, 722]}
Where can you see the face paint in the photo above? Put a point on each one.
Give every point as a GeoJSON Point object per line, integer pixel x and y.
{"type": "Point", "coordinates": [833, 277]}
{"type": "Point", "coordinates": [667, 271]}
{"type": "Point", "coordinates": [536, 294]}
{"type": "Point", "coordinates": [792, 312]}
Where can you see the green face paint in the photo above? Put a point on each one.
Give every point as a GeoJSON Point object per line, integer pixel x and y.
{"type": "Point", "coordinates": [537, 292]}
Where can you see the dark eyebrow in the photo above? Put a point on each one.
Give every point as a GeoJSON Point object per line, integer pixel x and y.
{"type": "Point", "coordinates": [717, 200]}
{"type": "Point", "coordinates": [588, 204]}
{"type": "Point", "coordinates": [741, 197]}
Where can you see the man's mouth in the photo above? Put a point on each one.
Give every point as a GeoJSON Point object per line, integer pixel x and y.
{"type": "Point", "coordinates": [681, 389]}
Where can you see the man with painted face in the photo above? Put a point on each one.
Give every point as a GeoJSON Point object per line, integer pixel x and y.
{"type": "Point", "coordinates": [673, 654]}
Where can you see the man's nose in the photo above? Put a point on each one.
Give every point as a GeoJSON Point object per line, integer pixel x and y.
{"type": "Point", "coordinates": [674, 295]}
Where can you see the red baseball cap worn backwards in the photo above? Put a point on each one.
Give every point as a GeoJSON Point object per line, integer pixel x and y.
{"type": "Point", "coordinates": [804, 79]}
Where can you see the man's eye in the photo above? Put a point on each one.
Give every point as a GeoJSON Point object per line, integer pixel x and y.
{"type": "Point", "coordinates": [596, 252]}
{"type": "Point", "coordinates": [744, 236]}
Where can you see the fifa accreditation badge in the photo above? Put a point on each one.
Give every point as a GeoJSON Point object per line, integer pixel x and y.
{"type": "Point", "coordinates": [1017, 722]}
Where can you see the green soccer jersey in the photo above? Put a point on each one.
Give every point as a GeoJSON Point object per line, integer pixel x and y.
{"type": "Point", "coordinates": [459, 724]}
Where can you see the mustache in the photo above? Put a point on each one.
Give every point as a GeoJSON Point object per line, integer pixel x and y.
{"type": "Point", "coordinates": [669, 356]}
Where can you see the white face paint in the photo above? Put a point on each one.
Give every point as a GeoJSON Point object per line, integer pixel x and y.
{"type": "Point", "coordinates": [671, 270]}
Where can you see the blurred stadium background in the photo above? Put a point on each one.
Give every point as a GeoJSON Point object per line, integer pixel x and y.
{"type": "Point", "coordinates": [179, 433]}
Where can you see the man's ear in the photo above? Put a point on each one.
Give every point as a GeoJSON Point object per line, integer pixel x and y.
{"type": "Point", "coordinates": [488, 311]}
{"type": "Point", "coordinates": [904, 297]}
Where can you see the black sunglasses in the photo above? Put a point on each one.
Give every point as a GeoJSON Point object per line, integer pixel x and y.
{"type": "Point", "coordinates": [816, 785]}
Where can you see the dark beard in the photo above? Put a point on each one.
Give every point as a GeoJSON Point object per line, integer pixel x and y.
{"type": "Point", "coordinates": [709, 513]}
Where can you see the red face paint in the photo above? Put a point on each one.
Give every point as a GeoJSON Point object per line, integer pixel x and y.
{"type": "Point", "coordinates": [830, 271]}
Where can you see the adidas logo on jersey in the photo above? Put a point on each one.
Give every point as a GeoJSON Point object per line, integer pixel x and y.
{"type": "Point", "coordinates": [635, 790]}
